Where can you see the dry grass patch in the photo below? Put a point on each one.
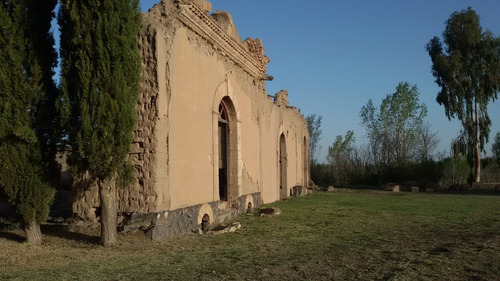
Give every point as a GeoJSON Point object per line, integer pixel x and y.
{"type": "Point", "coordinates": [346, 236]}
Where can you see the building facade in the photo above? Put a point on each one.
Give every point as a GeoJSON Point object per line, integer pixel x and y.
{"type": "Point", "coordinates": [209, 141]}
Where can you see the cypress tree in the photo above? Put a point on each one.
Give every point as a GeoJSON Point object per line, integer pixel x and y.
{"type": "Point", "coordinates": [27, 101]}
{"type": "Point", "coordinates": [100, 81]}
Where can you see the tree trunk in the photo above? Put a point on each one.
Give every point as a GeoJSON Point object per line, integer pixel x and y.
{"type": "Point", "coordinates": [33, 233]}
{"type": "Point", "coordinates": [478, 149]}
{"type": "Point", "coordinates": [478, 163]}
{"type": "Point", "coordinates": [107, 190]}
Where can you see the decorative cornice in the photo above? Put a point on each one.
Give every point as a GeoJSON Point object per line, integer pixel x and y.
{"type": "Point", "coordinates": [203, 25]}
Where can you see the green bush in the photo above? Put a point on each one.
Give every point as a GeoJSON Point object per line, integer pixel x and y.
{"type": "Point", "coordinates": [455, 171]}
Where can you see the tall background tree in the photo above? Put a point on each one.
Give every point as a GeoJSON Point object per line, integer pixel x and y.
{"type": "Point", "coordinates": [341, 157]}
{"type": "Point", "coordinates": [455, 167]}
{"type": "Point", "coordinates": [28, 127]}
{"type": "Point", "coordinates": [496, 148]}
{"type": "Point", "coordinates": [395, 131]}
{"type": "Point", "coordinates": [314, 127]}
{"type": "Point", "coordinates": [427, 143]}
{"type": "Point", "coordinates": [100, 77]}
{"type": "Point", "coordinates": [467, 69]}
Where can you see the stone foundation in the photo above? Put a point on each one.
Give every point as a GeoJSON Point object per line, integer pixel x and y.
{"type": "Point", "coordinates": [186, 220]}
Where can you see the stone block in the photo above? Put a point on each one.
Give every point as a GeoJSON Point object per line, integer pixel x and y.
{"type": "Point", "coordinates": [234, 227]}
{"type": "Point", "coordinates": [415, 189]}
{"type": "Point", "coordinates": [271, 211]}
{"type": "Point", "coordinates": [136, 221]}
{"type": "Point", "coordinates": [395, 188]}
{"type": "Point", "coordinates": [158, 232]}
{"type": "Point", "coordinates": [331, 188]}
{"type": "Point", "coordinates": [135, 148]}
{"type": "Point", "coordinates": [297, 190]}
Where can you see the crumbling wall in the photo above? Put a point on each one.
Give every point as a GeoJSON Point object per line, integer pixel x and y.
{"type": "Point", "coordinates": [281, 98]}
{"type": "Point", "coordinates": [150, 132]}
{"type": "Point", "coordinates": [86, 198]}
{"type": "Point", "coordinates": [140, 197]}
{"type": "Point", "coordinates": [149, 153]}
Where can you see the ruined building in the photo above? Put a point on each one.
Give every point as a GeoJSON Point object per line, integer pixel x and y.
{"type": "Point", "coordinates": [209, 141]}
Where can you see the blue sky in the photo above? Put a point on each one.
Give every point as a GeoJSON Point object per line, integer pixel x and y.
{"type": "Point", "coordinates": [333, 56]}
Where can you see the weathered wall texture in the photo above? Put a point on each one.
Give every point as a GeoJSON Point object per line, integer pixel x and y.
{"type": "Point", "coordinates": [192, 61]}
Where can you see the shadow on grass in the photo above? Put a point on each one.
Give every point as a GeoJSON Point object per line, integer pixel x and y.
{"type": "Point", "coordinates": [12, 236]}
{"type": "Point", "coordinates": [60, 231]}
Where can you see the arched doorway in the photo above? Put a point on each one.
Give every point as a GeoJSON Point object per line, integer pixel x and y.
{"type": "Point", "coordinates": [227, 150]}
{"type": "Point", "coordinates": [223, 151]}
{"type": "Point", "coordinates": [283, 168]}
{"type": "Point", "coordinates": [305, 162]}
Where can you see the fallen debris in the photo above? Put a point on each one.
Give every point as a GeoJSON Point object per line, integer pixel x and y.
{"type": "Point", "coordinates": [270, 212]}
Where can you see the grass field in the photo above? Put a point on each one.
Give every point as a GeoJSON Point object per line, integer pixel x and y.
{"type": "Point", "coordinates": [345, 235]}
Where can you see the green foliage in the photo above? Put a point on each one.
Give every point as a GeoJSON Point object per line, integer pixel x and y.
{"type": "Point", "coordinates": [23, 180]}
{"type": "Point", "coordinates": [468, 71]}
{"type": "Point", "coordinates": [455, 170]}
{"type": "Point", "coordinates": [341, 147]}
{"type": "Point", "coordinates": [421, 173]}
{"type": "Point", "coordinates": [27, 91]}
{"type": "Point", "coordinates": [314, 127]}
{"type": "Point", "coordinates": [100, 81]}
{"type": "Point", "coordinates": [125, 176]}
{"type": "Point", "coordinates": [340, 156]}
{"type": "Point", "coordinates": [395, 130]}
{"type": "Point", "coordinates": [322, 175]}
{"type": "Point", "coordinates": [496, 148]}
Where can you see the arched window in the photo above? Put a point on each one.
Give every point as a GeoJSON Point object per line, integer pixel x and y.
{"type": "Point", "coordinates": [223, 117]}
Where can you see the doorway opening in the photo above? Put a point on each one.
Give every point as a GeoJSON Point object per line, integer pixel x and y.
{"type": "Point", "coordinates": [223, 151]}
{"type": "Point", "coordinates": [227, 142]}
{"type": "Point", "coordinates": [283, 168]}
{"type": "Point", "coordinates": [305, 162]}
